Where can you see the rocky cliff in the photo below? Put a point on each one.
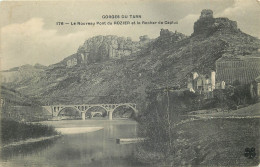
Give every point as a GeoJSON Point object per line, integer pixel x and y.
{"type": "Point", "coordinates": [102, 48]}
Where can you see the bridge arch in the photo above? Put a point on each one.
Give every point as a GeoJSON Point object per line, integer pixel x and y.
{"type": "Point", "coordinates": [98, 106]}
{"type": "Point", "coordinates": [135, 111]}
{"type": "Point", "coordinates": [67, 108]}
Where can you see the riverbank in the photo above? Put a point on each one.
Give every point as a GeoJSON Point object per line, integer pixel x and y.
{"type": "Point", "coordinates": [62, 131]}
{"type": "Point", "coordinates": [29, 141]}
{"type": "Point", "coordinates": [16, 133]}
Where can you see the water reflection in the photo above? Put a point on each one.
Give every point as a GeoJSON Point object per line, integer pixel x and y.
{"type": "Point", "coordinates": [95, 149]}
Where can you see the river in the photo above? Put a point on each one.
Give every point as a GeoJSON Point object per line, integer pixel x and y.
{"type": "Point", "coordinates": [92, 149]}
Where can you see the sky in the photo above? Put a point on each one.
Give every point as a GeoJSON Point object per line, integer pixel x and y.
{"type": "Point", "coordinates": [29, 33]}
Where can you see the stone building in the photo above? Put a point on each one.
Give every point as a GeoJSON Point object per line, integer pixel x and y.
{"type": "Point", "coordinates": [204, 83]}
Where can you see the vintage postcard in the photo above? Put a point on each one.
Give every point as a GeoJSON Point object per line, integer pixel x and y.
{"type": "Point", "coordinates": [130, 83]}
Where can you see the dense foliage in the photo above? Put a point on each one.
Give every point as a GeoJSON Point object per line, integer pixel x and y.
{"type": "Point", "coordinates": [233, 97]}
{"type": "Point", "coordinates": [12, 131]}
{"type": "Point", "coordinates": [164, 111]}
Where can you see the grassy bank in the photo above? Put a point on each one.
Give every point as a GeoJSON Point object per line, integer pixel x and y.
{"type": "Point", "coordinates": [249, 111]}
{"type": "Point", "coordinates": [12, 131]}
{"type": "Point", "coordinates": [212, 142]}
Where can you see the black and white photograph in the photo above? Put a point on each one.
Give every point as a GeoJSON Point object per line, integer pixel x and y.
{"type": "Point", "coordinates": [130, 83]}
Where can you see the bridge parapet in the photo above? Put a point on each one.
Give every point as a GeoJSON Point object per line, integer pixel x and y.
{"type": "Point", "coordinates": [83, 108]}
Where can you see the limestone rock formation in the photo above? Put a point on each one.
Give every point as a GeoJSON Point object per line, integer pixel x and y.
{"type": "Point", "coordinates": [207, 24]}
{"type": "Point", "coordinates": [206, 13]}
{"type": "Point", "coordinates": [167, 38]}
{"type": "Point", "coordinates": [100, 48]}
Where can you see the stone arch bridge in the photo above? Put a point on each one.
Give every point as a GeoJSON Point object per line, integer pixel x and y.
{"type": "Point", "coordinates": [84, 108]}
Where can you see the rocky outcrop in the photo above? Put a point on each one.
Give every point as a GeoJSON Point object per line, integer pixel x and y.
{"type": "Point", "coordinates": [101, 48]}
{"type": "Point", "coordinates": [167, 38]}
{"type": "Point", "coordinates": [206, 13]}
{"type": "Point", "coordinates": [207, 24]}
{"type": "Point", "coordinates": [174, 36]}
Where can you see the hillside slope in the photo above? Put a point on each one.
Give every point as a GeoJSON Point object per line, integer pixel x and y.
{"type": "Point", "coordinates": [167, 60]}
{"type": "Point", "coordinates": [19, 107]}
{"type": "Point", "coordinates": [22, 74]}
{"type": "Point", "coordinates": [214, 142]}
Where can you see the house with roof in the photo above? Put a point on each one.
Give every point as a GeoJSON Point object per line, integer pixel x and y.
{"type": "Point", "coordinates": [204, 83]}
